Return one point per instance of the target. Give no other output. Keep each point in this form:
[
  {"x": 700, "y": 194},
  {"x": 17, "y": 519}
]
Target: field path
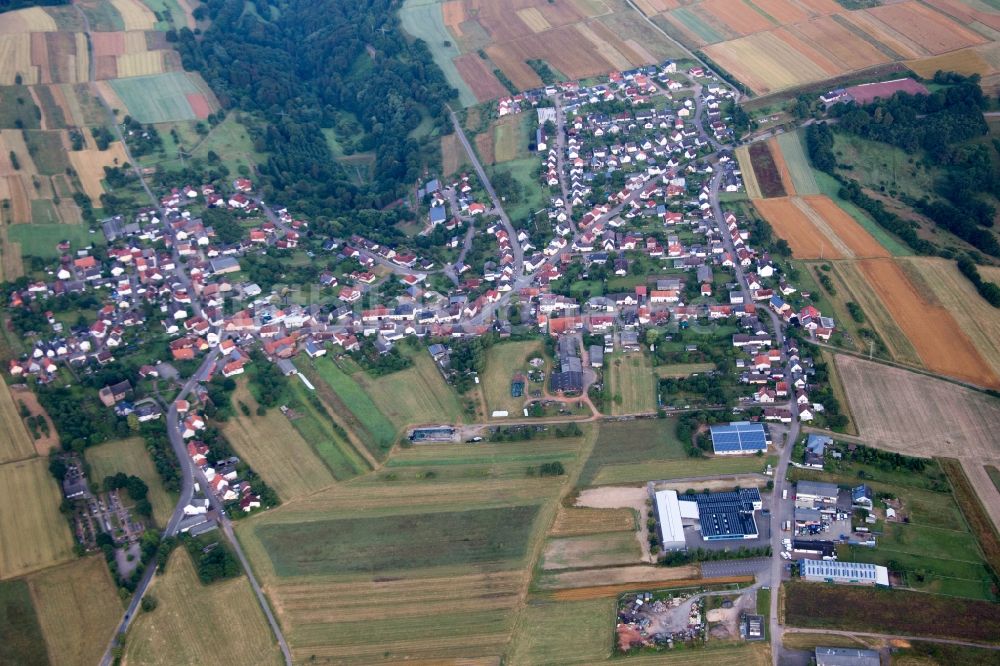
[{"x": 983, "y": 484}]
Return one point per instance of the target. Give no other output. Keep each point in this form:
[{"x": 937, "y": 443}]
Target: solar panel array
[
  {"x": 727, "y": 515},
  {"x": 740, "y": 436}
]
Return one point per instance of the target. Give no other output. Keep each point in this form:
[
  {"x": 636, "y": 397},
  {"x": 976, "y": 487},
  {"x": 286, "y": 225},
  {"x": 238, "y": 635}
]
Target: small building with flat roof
[
  {"x": 816, "y": 491},
  {"x": 838, "y": 656}
]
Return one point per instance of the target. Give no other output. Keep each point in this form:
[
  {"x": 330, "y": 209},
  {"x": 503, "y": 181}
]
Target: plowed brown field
[
  {"x": 940, "y": 342},
  {"x": 602, "y": 591},
  {"x": 790, "y": 223},
  {"x": 480, "y": 79}
]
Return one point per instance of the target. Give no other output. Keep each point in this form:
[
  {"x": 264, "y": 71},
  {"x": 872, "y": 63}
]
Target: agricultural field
[
  {"x": 29, "y": 508},
  {"x": 889, "y": 611},
  {"x": 789, "y": 146},
  {"x": 130, "y": 456},
  {"x": 633, "y": 389},
  {"x": 564, "y": 632},
  {"x": 349, "y": 403},
  {"x": 78, "y": 609},
  {"x": 448, "y": 535},
  {"x": 350, "y": 545},
  {"x": 503, "y": 361},
  {"x": 945, "y": 287},
  {"x": 626, "y": 443},
  {"x": 417, "y": 395},
  {"x": 512, "y": 136},
  {"x": 939, "y": 341},
  {"x": 919, "y": 415},
  {"x": 766, "y": 171},
  {"x": 194, "y": 623},
  {"x": 577, "y": 38},
  {"x": 21, "y": 639},
  {"x": 577, "y": 521},
  {"x": 678, "y": 370},
  {"x": 777, "y": 45},
  {"x": 596, "y": 550},
  {"x": 275, "y": 449},
  {"x": 162, "y": 98},
  {"x": 16, "y": 443}
]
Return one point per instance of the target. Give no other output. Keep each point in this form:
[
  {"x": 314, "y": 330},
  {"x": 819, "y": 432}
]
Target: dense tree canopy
[{"x": 301, "y": 65}]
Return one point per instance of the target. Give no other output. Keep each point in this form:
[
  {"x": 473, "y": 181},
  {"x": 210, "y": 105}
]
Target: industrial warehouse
[
  {"x": 719, "y": 516},
  {"x": 850, "y": 573}
]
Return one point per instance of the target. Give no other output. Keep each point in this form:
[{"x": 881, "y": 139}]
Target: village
[{"x": 634, "y": 194}]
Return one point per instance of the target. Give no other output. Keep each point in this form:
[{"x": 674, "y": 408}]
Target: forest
[
  {"x": 937, "y": 126},
  {"x": 300, "y": 66}
]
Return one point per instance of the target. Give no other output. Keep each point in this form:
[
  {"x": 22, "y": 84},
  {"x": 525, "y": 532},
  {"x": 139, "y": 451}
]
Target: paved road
[{"x": 497, "y": 204}]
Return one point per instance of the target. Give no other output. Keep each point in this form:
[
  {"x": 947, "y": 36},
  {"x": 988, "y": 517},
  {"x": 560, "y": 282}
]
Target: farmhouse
[
  {"x": 847, "y": 573},
  {"x": 668, "y": 512},
  {"x": 739, "y": 438}
]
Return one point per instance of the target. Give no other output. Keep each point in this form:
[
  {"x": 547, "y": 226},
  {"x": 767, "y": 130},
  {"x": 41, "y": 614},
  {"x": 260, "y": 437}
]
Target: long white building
[{"x": 668, "y": 513}]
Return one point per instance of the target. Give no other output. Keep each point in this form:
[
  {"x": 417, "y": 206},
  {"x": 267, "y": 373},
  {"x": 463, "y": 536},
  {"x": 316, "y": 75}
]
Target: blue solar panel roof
[{"x": 741, "y": 436}]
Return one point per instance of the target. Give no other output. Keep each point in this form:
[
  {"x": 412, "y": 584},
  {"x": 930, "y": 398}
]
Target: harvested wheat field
[
  {"x": 89, "y": 165},
  {"x": 579, "y": 521},
  {"x": 12, "y": 141},
  {"x": 78, "y": 609},
  {"x": 749, "y": 177},
  {"x": 29, "y": 508},
  {"x": 145, "y": 63},
  {"x": 941, "y": 344},
  {"x": 135, "y": 14},
  {"x": 919, "y": 415},
  {"x": 15, "y": 59},
  {"x": 846, "y": 228},
  {"x": 945, "y": 286},
  {"x": 966, "y": 61},
  {"x": 930, "y": 29},
  {"x": 790, "y": 223},
  {"x": 766, "y": 63},
  {"x": 20, "y": 204},
  {"x": 22, "y": 21}
]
